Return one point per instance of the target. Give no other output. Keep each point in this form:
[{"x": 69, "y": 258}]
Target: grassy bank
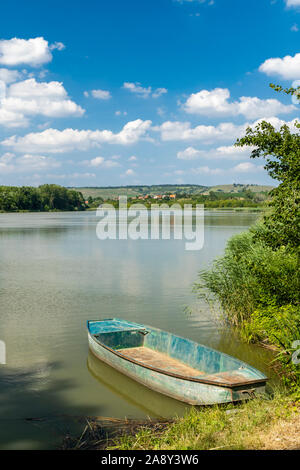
[
  {"x": 266, "y": 423},
  {"x": 257, "y": 424}
]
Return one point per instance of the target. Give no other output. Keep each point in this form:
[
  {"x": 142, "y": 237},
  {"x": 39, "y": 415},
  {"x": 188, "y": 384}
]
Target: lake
[{"x": 54, "y": 275}]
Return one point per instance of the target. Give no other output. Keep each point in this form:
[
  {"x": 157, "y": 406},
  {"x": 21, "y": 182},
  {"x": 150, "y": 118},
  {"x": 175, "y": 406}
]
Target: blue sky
[{"x": 141, "y": 92}]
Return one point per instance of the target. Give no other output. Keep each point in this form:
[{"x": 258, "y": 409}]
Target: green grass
[
  {"x": 250, "y": 275},
  {"x": 248, "y": 426}
]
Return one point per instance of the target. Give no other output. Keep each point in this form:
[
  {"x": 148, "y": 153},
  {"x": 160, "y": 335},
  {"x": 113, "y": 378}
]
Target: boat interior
[{"x": 160, "y": 350}]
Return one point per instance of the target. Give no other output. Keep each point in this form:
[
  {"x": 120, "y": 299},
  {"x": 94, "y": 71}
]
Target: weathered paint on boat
[{"x": 221, "y": 378}]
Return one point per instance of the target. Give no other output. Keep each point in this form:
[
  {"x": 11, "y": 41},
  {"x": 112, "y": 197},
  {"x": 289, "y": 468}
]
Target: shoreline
[
  {"x": 258, "y": 424},
  {"x": 92, "y": 209}
]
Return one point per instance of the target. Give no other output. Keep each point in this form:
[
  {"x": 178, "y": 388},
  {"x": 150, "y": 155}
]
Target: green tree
[{"x": 281, "y": 151}]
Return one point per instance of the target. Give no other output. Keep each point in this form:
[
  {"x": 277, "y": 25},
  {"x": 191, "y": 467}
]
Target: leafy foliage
[
  {"x": 279, "y": 326},
  {"x": 257, "y": 281},
  {"x": 44, "y": 198},
  {"x": 250, "y": 275},
  {"x": 281, "y": 150}
]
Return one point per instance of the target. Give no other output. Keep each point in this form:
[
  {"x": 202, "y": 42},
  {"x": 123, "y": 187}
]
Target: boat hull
[{"x": 191, "y": 392}]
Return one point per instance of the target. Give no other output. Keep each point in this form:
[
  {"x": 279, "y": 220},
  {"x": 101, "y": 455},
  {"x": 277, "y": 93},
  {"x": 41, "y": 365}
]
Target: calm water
[{"x": 54, "y": 275}]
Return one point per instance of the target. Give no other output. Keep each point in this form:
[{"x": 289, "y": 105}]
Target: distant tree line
[
  {"x": 213, "y": 200},
  {"x": 48, "y": 197}
]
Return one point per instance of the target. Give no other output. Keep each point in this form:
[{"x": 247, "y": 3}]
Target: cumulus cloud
[
  {"x": 158, "y": 92},
  {"x": 190, "y": 153},
  {"x": 143, "y": 92},
  {"x": 241, "y": 168},
  {"x": 293, "y": 3},
  {"x": 176, "y": 130},
  {"x": 216, "y": 103},
  {"x": 12, "y": 119},
  {"x": 247, "y": 167},
  {"x": 137, "y": 89},
  {"x": 56, "y": 141},
  {"x": 57, "y": 45},
  {"x": 287, "y": 68},
  {"x": 29, "y": 98},
  {"x": 207, "y": 170},
  {"x": 9, "y": 163},
  {"x": 34, "y": 52},
  {"x": 101, "y": 162},
  {"x": 129, "y": 172},
  {"x": 225, "y": 152},
  {"x": 182, "y": 131},
  {"x": 9, "y": 76},
  {"x": 99, "y": 94}
]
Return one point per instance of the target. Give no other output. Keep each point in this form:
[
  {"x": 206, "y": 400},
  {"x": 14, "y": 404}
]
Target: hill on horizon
[{"x": 108, "y": 192}]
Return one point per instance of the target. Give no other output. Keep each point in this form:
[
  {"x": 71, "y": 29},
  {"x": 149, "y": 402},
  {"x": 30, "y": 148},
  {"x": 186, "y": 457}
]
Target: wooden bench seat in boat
[{"x": 160, "y": 360}]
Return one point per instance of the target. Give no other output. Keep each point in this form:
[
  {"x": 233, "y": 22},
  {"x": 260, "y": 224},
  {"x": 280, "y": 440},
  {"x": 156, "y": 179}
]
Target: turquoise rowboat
[{"x": 174, "y": 366}]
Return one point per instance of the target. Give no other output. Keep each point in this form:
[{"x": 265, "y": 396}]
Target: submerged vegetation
[{"x": 48, "y": 197}]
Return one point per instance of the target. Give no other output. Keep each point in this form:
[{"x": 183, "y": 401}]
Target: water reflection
[
  {"x": 149, "y": 402},
  {"x": 33, "y": 411},
  {"x": 54, "y": 275}
]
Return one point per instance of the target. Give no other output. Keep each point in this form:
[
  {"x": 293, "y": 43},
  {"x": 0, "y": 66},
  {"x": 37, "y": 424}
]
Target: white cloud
[
  {"x": 57, "y": 45},
  {"x": 101, "y": 94},
  {"x": 12, "y": 119},
  {"x": 241, "y": 168},
  {"x": 9, "y": 163},
  {"x": 245, "y": 167},
  {"x": 207, "y": 171},
  {"x": 142, "y": 92},
  {"x": 56, "y": 141},
  {"x": 9, "y": 76},
  {"x": 129, "y": 172},
  {"x": 101, "y": 162},
  {"x": 225, "y": 152},
  {"x": 176, "y": 130},
  {"x": 82, "y": 175},
  {"x": 97, "y": 161},
  {"x": 294, "y": 28},
  {"x": 121, "y": 113},
  {"x": 216, "y": 103},
  {"x": 34, "y": 52},
  {"x": 7, "y": 157},
  {"x": 189, "y": 154},
  {"x": 30, "y": 88},
  {"x": 29, "y": 98},
  {"x": 137, "y": 89},
  {"x": 133, "y": 158},
  {"x": 161, "y": 111},
  {"x": 293, "y": 3},
  {"x": 182, "y": 131},
  {"x": 158, "y": 92},
  {"x": 288, "y": 68},
  {"x": 36, "y": 162}
]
